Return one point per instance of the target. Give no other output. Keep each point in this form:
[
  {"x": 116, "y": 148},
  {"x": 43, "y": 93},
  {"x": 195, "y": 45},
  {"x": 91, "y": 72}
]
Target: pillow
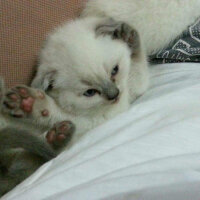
[{"x": 186, "y": 48}]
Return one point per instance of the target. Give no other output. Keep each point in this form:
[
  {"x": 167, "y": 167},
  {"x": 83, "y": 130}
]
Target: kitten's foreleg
[
  {"x": 16, "y": 165},
  {"x": 29, "y": 105},
  {"x": 15, "y": 138}
]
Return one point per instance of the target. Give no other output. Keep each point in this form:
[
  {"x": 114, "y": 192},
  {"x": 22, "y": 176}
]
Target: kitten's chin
[
  {"x": 117, "y": 107},
  {"x": 116, "y": 101}
]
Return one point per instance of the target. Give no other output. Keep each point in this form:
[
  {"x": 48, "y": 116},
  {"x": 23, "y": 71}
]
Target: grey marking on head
[{"x": 121, "y": 31}]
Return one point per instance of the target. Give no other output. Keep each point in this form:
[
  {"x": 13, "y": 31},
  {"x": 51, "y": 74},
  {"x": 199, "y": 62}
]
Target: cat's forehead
[
  {"x": 78, "y": 46},
  {"x": 89, "y": 64},
  {"x": 81, "y": 56},
  {"x": 79, "y": 81},
  {"x": 90, "y": 50}
]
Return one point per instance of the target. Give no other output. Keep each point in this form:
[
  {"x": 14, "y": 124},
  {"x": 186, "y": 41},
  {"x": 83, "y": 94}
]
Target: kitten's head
[{"x": 82, "y": 70}]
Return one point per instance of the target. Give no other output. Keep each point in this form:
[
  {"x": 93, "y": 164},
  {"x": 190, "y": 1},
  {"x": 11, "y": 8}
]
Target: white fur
[
  {"x": 158, "y": 21},
  {"x": 73, "y": 54}
]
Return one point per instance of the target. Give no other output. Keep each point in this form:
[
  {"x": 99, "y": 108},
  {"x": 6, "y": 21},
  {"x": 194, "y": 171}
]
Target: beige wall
[{"x": 23, "y": 26}]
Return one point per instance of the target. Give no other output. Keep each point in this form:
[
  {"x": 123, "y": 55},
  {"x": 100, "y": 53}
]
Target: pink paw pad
[
  {"x": 45, "y": 113},
  {"x": 18, "y": 102},
  {"x": 27, "y": 104}
]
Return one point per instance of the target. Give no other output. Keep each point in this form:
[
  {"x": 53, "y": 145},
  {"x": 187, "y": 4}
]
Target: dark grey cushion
[{"x": 186, "y": 48}]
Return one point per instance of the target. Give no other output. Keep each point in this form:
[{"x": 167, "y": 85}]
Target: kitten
[
  {"x": 37, "y": 112},
  {"x": 94, "y": 67}
]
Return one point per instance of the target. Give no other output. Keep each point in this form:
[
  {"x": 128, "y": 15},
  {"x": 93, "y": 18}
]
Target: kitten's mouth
[{"x": 115, "y": 100}]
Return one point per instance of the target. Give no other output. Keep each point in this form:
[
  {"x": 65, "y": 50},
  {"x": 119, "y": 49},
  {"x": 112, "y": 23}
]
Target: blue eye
[
  {"x": 91, "y": 92},
  {"x": 115, "y": 70}
]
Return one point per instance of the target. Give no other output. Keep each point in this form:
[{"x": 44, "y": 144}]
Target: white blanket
[{"x": 151, "y": 152}]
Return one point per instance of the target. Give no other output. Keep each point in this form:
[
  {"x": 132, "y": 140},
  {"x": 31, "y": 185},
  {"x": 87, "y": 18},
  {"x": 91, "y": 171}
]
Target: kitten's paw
[
  {"x": 19, "y": 101},
  {"x": 60, "y": 134}
]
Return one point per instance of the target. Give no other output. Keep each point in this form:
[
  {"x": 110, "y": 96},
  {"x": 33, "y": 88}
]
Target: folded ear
[
  {"x": 44, "y": 80},
  {"x": 120, "y": 31}
]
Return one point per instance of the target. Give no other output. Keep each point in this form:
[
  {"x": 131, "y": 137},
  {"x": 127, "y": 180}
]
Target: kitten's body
[{"x": 81, "y": 55}]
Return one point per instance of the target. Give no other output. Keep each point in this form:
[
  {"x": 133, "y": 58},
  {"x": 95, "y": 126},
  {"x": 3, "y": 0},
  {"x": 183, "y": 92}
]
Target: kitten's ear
[
  {"x": 44, "y": 80},
  {"x": 121, "y": 31}
]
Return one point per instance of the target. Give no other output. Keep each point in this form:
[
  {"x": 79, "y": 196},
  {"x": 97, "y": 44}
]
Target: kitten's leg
[
  {"x": 24, "y": 103},
  {"x": 39, "y": 109},
  {"x": 32, "y": 105},
  {"x": 12, "y": 138},
  {"x": 15, "y": 165}
]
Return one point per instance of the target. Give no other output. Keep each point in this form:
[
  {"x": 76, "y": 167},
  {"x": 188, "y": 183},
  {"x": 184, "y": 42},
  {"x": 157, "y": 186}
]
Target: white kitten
[
  {"x": 89, "y": 74},
  {"x": 95, "y": 66},
  {"x": 92, "y": 68}
]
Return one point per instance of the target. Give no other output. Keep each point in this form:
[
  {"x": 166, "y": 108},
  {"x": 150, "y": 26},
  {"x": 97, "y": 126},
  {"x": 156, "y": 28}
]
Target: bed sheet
[{"x": 150, "y": 152}]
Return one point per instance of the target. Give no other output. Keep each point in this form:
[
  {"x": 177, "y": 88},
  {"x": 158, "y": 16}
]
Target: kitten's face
[
  {"x": 85, "y": 72},
  {"x": 92, "y": 78}
]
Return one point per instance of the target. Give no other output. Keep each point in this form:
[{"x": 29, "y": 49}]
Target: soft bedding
[{"x": 151, "y": 152}]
